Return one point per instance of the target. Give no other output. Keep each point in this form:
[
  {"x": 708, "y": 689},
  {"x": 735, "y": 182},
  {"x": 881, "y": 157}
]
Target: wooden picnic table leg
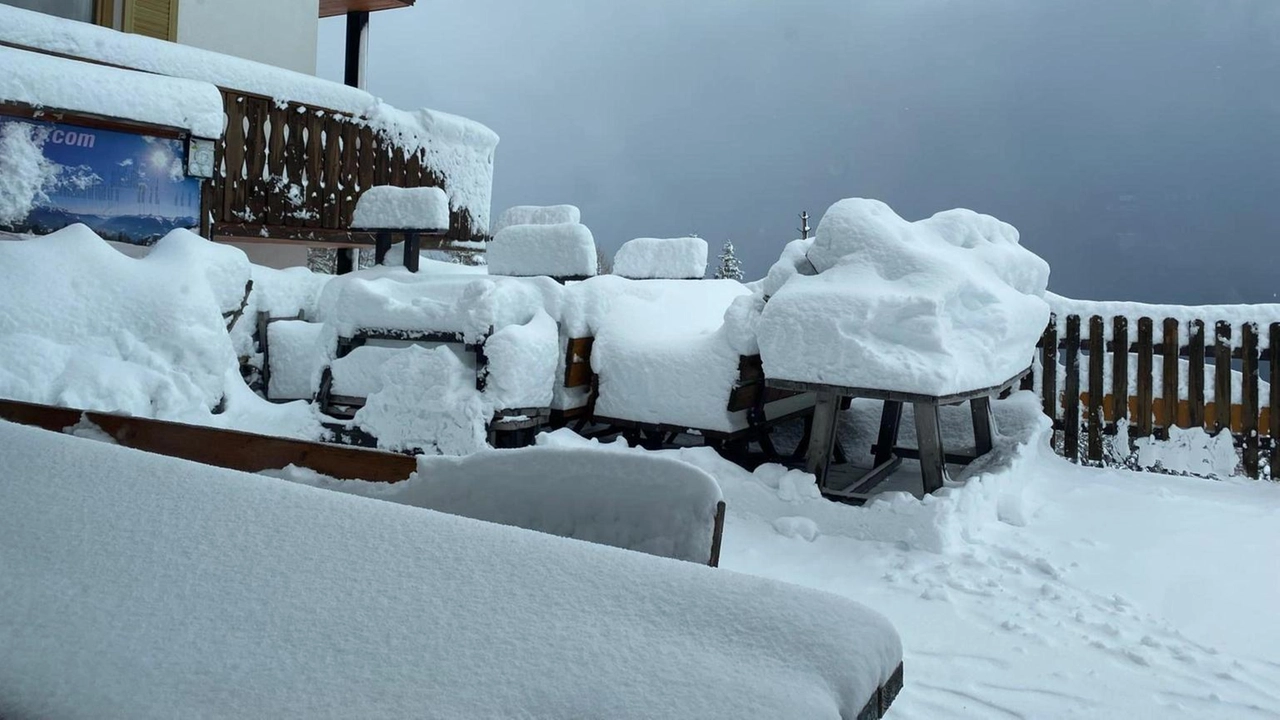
[
  {"x": 822, "y": 439},
  {"x": 890, "y": 421},
  {"x": 382, "y": 245},
  {"x": 933, "y": 469},
  {"x": 411, "y": 251},
  {"x": 980, "y": 410}
]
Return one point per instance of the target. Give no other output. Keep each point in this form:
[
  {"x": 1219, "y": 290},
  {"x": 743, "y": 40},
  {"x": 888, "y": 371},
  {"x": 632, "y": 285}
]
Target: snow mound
[
  {"x": 390, "y": 207},
  {"x": 560, "y": 250},
  {"x": 247, "y": 596},
  {"x": 82, "y": 325},
  {"x": 57, "y": 83},
  {"x": 427, "y": 401},
  {"x": 522, "y": 365},
  {"x": 649, "y": 258},
  {"x": 298, "y": 352},
  {"x": 537, "y": 215},
  {"x": 947, "y": 304},
  {"x": 647, "y": 503}
]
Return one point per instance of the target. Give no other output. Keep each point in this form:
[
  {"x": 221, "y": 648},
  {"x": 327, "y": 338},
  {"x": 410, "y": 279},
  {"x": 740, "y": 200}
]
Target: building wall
[{"x": 276, "y": 32}]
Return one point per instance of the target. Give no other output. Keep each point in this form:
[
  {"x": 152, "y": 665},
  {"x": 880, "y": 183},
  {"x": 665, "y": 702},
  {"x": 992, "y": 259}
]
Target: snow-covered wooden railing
[
  {"x": 294, "y": 170},
  {"x": 1172, "y": 372}
]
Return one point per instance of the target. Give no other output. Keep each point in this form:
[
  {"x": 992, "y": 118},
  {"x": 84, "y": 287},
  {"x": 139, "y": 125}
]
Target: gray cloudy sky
[{"x": 1134, "y": 143}]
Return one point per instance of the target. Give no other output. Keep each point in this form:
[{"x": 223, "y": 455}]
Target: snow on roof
[
  {"x": 389, "y": 207},
  {"x": 53, "y": 82},
  {"x": 560, "y": 250},
  {"x": 537, "y": 215},
  {"x": 636, "y": 501},
  {"x": 253, "y": 597},
  {"x": 649, "y": 258},
  {"x": 459, "y": 149},
  {"x": 947, "y": 304}
]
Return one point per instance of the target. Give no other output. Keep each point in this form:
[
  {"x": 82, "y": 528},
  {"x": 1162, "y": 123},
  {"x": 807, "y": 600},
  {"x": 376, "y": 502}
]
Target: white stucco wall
[{"x": 276, "y": 32}]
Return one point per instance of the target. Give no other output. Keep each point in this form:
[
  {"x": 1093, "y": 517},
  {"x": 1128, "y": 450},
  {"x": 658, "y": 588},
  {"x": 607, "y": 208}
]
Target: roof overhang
[{"x": 330, "y": 8}]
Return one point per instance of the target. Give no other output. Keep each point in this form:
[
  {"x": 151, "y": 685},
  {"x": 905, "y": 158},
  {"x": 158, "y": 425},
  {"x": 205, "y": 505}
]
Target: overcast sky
[{"x": 1134, "y": 143}]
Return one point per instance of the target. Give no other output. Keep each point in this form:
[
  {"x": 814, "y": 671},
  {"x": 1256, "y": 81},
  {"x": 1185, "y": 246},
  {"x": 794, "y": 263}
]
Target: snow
[
  {"x": 1263, "y": 314},
  {"x": 427, "y": 401},
  {"x": 25, "y": 173},
  {"x": 226, "y": 269},
  {"x": 1032, "y": 587},
  {"x": 57, "y": 83},
  {"x": 142, "y": 586},
  {"x": 649, "y": 258},
  {"x": 388, "y": 207},
  {"x": 298, "y": 351},
  {"x": 457, "y": 149},
  {"x": 561, "y": 250},
  {"x": 537, "y": 215},
  {"x": 522, "y": 364},
  {"x": 635, "y": 501},
  {"x": 82, "y": 325},
  {"x": 947, "y": 304}
]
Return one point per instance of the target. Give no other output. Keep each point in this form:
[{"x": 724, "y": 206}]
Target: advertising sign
[{"x": 127, "y": 187}]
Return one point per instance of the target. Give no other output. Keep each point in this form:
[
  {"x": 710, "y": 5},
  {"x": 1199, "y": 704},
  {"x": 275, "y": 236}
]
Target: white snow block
[
  {"x": 397, "y": 208},
  {"x": 636, "y": 501},
  {"x": 175, "y": 550},
  {"x": 655, "y": 258},
  {"x": 560, "y": 250},
  {"x": 947, "y": 304},
  {"x": 537, "y": 215},
  {"x": 297, "y": 351}
]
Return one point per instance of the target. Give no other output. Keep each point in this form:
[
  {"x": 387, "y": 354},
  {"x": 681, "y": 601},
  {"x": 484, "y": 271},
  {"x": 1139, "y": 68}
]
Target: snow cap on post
[
  {"x": 537, "y": 215},
  {"x": 565, "y": 250},
  {"x": 656, "y": 258},
  {"x": 386, "y": 207}
]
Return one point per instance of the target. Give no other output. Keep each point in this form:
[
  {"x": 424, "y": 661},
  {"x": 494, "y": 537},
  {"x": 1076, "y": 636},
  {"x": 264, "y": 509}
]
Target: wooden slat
[
  {"x": 312, "y": 205},
  {"x": 1195, "y": 375},
  {"x": 1071, "y": 387},
  {"x": 222, "y": 448},
  {"x": 1170, "y": 348},
  {"x": 1142, "y": 419},
  {"x": 278, "y": 118},
  {"x": 257, "y": 110},
  {"x": 1119, "y": 368},
  {"x": 1049, "y": 372},
  {"x": 294, "y": 162},
  {"x": 1249, "y": 397},
  {"x": 1273, "y": 409},
  {"x": 331, "y": 172},
  {"x": 1097, "y": 355},
  {"x": 368, "y": 156},
  {"x": 233, "y": 159},
  {"x": 1221, "y": 376}
]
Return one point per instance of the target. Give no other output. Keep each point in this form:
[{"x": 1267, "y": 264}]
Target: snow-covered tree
[{"x": 729, "y": 267}]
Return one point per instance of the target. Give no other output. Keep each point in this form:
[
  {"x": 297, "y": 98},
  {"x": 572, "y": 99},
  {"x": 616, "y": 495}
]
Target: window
[
  {"x": 83, "y": 10},
  {"x": 153, "y": 18}
]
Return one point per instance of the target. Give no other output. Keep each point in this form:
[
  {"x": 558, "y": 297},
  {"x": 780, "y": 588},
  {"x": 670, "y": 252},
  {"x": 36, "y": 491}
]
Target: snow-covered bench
[{"x": 340, "y": 602}]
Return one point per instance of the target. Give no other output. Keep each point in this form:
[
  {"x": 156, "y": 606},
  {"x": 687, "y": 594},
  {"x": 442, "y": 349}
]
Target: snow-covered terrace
[{"x": 295, "y": 152}]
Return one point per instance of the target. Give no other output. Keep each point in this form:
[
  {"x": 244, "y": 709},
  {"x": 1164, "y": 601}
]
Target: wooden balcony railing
[{"x": 292, "y": 171}]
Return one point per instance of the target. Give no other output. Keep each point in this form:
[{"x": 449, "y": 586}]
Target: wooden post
[
  {"x": 1221, "y": 377},
  {"x": 1273, "y": 420},
  {"x": 382, "y": 245},
  {"x": 1195, "y": 374},
  {"x": 1097, "y": 354},
  {"x": 1170, "y": 352},
  {"x": 412, "y": 250},
  {"x": 1071, "y": 388},
  {"x": 1249, "y": 397},
  {"x": 980, "y": 412},
  {"x": 822, "y": 439},
  {"x": 1142, "y": 426},
  {"x": 1120, "y": 368},
  {"x": 1049, "y": 372},
  {"x": 933, "y": 469},
  {"x": 890, "y": 420}
]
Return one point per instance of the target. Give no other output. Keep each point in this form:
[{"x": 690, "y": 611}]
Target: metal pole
[{"x": 353, "y": 75}]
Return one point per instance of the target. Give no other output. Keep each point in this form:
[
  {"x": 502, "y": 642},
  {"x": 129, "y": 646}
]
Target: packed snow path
[{"x": 1125, "y": 595}]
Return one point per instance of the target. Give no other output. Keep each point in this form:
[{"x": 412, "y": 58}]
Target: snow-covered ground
[{"x": 1123, "y": 595}]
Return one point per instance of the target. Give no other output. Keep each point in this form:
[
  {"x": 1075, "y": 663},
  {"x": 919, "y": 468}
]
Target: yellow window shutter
[{"x": 153, "y": 18}]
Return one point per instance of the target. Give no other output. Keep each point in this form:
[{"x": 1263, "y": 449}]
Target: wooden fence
[
  {"x": 285, "y": 166},
  {"x": 1104, "y": 373}
]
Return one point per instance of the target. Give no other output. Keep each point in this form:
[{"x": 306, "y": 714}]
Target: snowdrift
[
  {"x": 142, "y": 586},
  {"x": 947, "y": 304}
]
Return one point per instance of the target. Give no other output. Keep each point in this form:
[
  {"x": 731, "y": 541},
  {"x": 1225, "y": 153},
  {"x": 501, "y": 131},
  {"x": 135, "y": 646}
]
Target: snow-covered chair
[{"x": 387, "y": 210}]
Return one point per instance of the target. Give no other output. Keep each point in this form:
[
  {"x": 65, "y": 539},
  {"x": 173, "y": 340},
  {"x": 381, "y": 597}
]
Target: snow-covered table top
[{"x": 142, "y": 586}]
